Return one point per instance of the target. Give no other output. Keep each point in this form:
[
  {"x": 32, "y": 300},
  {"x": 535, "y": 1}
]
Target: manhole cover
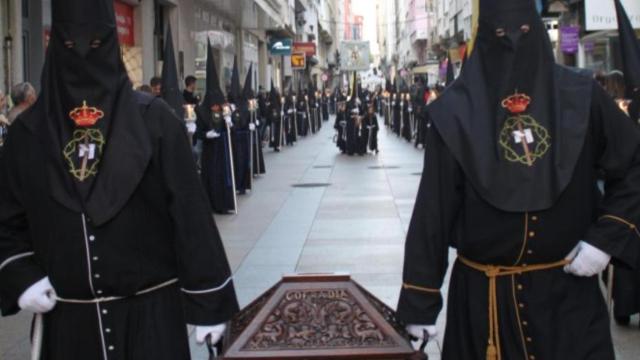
[
  {"x": 311, "y": 185},
  {"x": 377, "y": 167},
  {"x": 323, "y": 166}
]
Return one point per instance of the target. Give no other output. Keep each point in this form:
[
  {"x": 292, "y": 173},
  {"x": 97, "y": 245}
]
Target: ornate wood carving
[{"x": 317, "y": 317}]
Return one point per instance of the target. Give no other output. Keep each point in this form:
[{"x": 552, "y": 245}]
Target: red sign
[
  {"x": 124, "y": 21},
  {"x": 308, "y": 48}
]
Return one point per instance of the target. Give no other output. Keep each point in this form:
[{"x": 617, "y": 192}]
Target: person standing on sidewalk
[
  {"x": 104, "y": 226},
  {"x": 514, "y": 155}
]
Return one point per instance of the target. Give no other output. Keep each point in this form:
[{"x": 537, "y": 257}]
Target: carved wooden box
[{"x": 317, "y": 317}]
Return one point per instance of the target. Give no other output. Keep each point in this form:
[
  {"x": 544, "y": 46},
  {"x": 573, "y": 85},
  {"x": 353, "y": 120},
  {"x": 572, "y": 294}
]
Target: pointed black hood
[
  {"x": 83, "y": 66},
  {"x": 513, "y": 54},
  {"x": 630, "y": 46},
  {"x": 247, "y": 90},
  {"x": 213, "y": 93},
  {"x": 170, "y": 85},
  {"x": 235, "y": 92}
]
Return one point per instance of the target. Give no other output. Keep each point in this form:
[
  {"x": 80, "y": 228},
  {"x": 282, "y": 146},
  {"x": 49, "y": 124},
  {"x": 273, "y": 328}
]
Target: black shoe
[{"x": 623, "y": 320}]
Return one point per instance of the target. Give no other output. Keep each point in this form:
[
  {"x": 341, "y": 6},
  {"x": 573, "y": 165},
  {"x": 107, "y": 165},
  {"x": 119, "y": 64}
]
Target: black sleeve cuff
[
  {"x": 212, "y": 308},
  {"x": 15, "y": 279},
  {"x": 419, "y": 308}
]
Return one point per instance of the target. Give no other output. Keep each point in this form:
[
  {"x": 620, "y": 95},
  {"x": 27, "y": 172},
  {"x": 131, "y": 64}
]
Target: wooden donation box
[{"x": 317, "y": 317}]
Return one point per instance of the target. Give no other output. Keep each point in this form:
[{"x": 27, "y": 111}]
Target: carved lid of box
[{"x": 317, "y": 316}]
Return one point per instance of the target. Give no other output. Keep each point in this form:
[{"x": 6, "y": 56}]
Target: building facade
[{"x": 243, "y": 28}]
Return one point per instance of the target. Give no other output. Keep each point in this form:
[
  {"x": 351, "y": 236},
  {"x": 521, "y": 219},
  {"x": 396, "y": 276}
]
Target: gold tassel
[{"x": 492, "y": 352}]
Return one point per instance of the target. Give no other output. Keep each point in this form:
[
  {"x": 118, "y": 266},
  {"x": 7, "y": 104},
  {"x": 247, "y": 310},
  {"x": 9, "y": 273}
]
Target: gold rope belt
[
  {"x": 116, "y": 298},
  {"x": 493, "y": 272}
]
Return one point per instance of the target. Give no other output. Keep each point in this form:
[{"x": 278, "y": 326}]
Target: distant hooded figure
[
  {"x": 241, "y": 133},
  {"x": 104, "y": 225},
  {"x": 213, "y": 130},
  {"x": 275, "y": 118},
  {"x": 516, "y": 147},
  {"x": 257, "y": 156}
]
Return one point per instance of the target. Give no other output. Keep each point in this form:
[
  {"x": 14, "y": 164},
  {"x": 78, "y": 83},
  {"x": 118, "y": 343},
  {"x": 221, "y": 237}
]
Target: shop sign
[
  {"x": 308, "y": 48},
  {"x": 569, "y": 39},
  {"x": 124, "y": 22},
  {"x": 601, "y": 14},
  {"x": 281, "y": 46},
  {"x": 298, "y": 61}
]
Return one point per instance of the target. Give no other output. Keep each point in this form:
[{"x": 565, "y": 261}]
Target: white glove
[
  {"x": 257, "y": 122},
  {"x": 289, "y": 111},
  {"x": 252, "y": 127},
  {"x": 586, "y": 260},
  {"x": 216, "y": 333},
  {"x": 281, "y": 113},
  {"x": 40, "y": 298},
  {"x": 191, "y": 128},
  {"x": 212, "y": 134},
  {"x": 410, "y": 109},
  {"x": 233, "y": 107},
  {"x": 418, "y": 331},
  {"x": 228, "y": 120}
]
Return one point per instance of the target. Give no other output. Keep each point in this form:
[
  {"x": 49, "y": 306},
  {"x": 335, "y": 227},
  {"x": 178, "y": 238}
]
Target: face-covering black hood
[
  {"x": 630, "y": 46},
  {"x": 247, "y": 90},
  {"x": 518, "y": 158},
  {"x": 87, "y": 106},
  {"x": 213, "y": 92},
  {"x": 235, "y": 91},
  {"x": 170, "y": 86}
]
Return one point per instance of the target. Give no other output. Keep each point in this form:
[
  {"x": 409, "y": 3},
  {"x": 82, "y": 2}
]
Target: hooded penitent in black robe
[
  {"x": 420, "y": 122},
  {"x": 626, "y": 284},
  {"x": 274, "y": 119},
  {"x": 371, "y": 126},
  {"x": 407, "y": 112},
  {"x": 241, "y": 133},
  {"x": 136, "y": 218},
  {"x": 340, "y": 126},
  {"x": 216, "y": 161},
  {"x": 325, "y": 106},
  {"x": 290, "y": 125},
  {"x": 304, "y": 122},
  {"x": 257, "y": 156},
  {"x": 483, "y": 195},
  {"x": 396, "y": 115}
]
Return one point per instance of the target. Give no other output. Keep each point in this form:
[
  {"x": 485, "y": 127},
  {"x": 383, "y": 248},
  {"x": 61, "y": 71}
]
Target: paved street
[{"x": 356, "y": 224}]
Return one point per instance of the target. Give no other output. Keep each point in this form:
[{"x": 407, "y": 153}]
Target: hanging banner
[
  {"x": 354, "y": 56},
  {"x": 569, "y": 39},
  {"x": 601, "y": 14},
  {"x": 124, "y": 22}
]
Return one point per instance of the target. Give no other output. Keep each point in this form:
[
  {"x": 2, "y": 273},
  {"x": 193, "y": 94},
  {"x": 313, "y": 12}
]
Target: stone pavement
[{"x": 357, "y": 224}]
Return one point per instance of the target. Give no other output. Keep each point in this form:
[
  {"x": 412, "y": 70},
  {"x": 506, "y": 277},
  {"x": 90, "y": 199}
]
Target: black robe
[
  {"x": 276, "y": 132},
  {"x": 371, "y": 124},
  {"x": 546, "y": 314},
  {"x": 216, "y": 165},
  {"x": 341, "y": 127},
  {"x": 396, "y": 117},
  {"x": 164, "y": 231},
  {"x": 325, "y": 108},
  {"x": 259, "y": 167},
  {"x": 302, "y": 117},
  {"x": 407, "y": 110},
  {"x": 290, "y": 125},
  {"x": 241, "y": 141}
]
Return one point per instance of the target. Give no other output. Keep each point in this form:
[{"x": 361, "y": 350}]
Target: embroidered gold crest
[
  {"x": 523, "y": 139},
  {"x": 83, "y": 152}
]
